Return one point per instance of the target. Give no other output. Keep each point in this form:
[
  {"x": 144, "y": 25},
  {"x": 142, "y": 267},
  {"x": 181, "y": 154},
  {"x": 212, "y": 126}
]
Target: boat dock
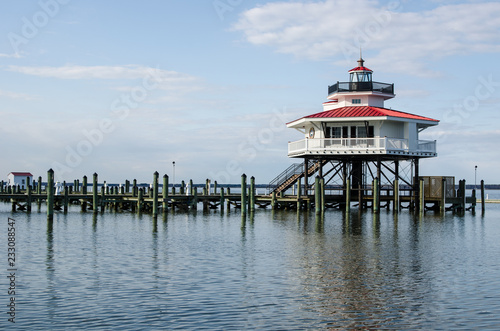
[{"x": 155, "y": 199}]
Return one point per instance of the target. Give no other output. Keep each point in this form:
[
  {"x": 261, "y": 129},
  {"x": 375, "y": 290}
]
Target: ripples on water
[{"x": 282, "y": 270}]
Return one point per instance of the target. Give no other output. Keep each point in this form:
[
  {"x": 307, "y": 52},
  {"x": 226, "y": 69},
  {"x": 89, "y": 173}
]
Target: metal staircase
[{"x": 291, "y": 175}]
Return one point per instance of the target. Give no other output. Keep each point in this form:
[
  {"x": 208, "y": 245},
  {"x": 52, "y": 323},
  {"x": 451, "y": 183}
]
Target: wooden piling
[
  {"x": 140, "y": 200},
  {"x": 396, "y": 195},
  {"x": 165, "y": 193},
  {"x": 50, "y": 194},
  {"x": 94, "y": 193},
  {"x": 244, "y": 193},
  {"x": 376, "y": 195},
  {"x": 155, "y": 193},
  {"x": 222, "y": 199},
  {"x": 317, "y": 195},
  {"x": 483, "y": 202},
  {"x": 103, "y": 198},
  {"x": 134, "y": 188},
  {"x": 252, "y": 194},
  {"x": 299, "y": 194},
  {"x": 191, "y": 187},
  {"x": 181, "y": 189},
  {"x": 28, "y": 198},
  {"x": 348, "y": 196},
  {"x": 322, "y": 193},
  {"x": 66, "y": 199},
  {"x": 273, "y": 201},
  {"x": 215, "y": 187}
]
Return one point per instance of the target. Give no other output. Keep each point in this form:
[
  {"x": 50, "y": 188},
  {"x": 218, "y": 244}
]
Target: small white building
[{"x": 19, "y": 178}]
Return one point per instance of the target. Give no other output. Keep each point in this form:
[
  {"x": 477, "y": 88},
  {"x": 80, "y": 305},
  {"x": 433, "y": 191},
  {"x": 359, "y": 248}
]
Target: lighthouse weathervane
[{"x": 356, "y": 139}]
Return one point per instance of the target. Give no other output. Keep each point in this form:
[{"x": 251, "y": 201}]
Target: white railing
[
  {"x": 427, "y": 146},
  {"x": 382, "y": 144}
]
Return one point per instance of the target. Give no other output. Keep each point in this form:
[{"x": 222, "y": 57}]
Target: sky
[{"x": 127, "y": 88}]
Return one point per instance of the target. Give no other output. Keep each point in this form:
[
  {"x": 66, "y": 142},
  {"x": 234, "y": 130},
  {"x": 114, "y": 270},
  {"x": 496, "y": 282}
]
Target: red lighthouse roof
[
  {"x": 361, "y": 69},
  {"x": 361, "y": 66},
  {"x": 365, "y": 111}
]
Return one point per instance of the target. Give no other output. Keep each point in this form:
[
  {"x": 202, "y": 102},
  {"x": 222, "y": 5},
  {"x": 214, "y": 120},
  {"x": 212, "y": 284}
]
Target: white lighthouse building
[
  {"x": 358, "y": 138},
  {"x": 355, "y": 122}
]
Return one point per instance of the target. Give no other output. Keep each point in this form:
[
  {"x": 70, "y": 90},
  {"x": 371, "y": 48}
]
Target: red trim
[
  {"x": 360, "y": 69},
  {"x": 21, "y": 174},
  {"x": 365, "y": 111}
]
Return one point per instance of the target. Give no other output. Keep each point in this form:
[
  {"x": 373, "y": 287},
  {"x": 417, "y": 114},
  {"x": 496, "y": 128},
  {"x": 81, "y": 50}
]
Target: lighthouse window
[
  {"x": 336, "y": 131},
  {"x": 356, "y": 101}
]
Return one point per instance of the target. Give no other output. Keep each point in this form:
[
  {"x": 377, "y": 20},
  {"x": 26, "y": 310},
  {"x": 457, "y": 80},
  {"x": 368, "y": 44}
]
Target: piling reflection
[{"x": 361, "y": 275}]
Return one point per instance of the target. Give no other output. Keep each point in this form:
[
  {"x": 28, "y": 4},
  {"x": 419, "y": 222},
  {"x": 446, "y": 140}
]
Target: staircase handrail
[{"x": 294, "y": 169}]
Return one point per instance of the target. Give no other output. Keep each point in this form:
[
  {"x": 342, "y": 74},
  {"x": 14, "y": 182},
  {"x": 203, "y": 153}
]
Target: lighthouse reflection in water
[{"x": 268, "y": 270}]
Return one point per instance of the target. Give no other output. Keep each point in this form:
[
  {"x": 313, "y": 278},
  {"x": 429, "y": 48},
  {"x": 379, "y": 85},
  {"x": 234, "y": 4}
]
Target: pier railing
[{"x": 379, "y": 144}]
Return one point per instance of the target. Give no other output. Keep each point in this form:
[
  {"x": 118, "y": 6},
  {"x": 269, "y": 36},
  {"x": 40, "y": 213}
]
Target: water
[{"x": 272, "y": 271}]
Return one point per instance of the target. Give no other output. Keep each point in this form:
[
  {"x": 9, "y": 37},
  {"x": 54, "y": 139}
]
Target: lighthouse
[{"x": 357, "y": 139}]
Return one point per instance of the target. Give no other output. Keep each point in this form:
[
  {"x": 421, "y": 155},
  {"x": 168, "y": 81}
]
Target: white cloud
[
  {"x": 14, "y": 55},
  {"x": 333, "y": 29},
  {"x": 103, "y": 72},
  {"x": 15, "y": 95}
]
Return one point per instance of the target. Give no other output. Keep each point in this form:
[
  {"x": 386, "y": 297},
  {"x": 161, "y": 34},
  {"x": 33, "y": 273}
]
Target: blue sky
[{"x": 125, "y": 88}]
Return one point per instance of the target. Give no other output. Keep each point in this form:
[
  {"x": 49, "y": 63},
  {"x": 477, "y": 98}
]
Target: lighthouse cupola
[
  {"x": 360, "y": 90},
  {"x": 361, "y": 74}
]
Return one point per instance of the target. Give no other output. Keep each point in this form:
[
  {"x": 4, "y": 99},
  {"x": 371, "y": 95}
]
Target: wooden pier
[{"x": 156, "y": 198}]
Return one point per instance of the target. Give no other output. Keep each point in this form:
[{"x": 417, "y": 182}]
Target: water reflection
[{"x": 281, "y": 269}]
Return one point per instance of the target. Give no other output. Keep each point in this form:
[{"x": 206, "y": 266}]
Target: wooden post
[
  {"x": 165, "y": 193},
  {"x": 134, "y": 188},
  {"x": 139, "y": 200},
  {"x": 306, "y": 179},
  {"x": 463, "y": 197},
  {"x": 127, "y": 186},
  {"x": 215, "y": 187},
  {"x": 94, "y": 193},
  {"x": 207, "y": 185},
  {"x": 396, "y": 195},
  {"x": 273, "y": 201},
  {"x": 50, "y": 194},
  {"x": 28, "y": 198},
  {"x": 66, "y": 198},
  {"x": 252, "y": 194},
  {"x": 191, "y": 187},
  {"x": 360, "y": 197},
  {"x": 322, "y": 190},
  {"x": 483, "y": 202},
  {"x": 244, "y": 194},
  {"x": 103, "y": 198},
  {"x": 421, "y": 199},
  {"x": 194, "y": 204},
  {"x": 347, "y": 195},
  {"x": 222, "y": 199},
  {"x": 442, "y": 203},
  {"x": 317, "y": 195},
  {"x": 299, "y": 194},
  {"x": 155, "y": 193},
  {"x": 181, "y": 189},
  {"x": 376, "y": 197}
]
